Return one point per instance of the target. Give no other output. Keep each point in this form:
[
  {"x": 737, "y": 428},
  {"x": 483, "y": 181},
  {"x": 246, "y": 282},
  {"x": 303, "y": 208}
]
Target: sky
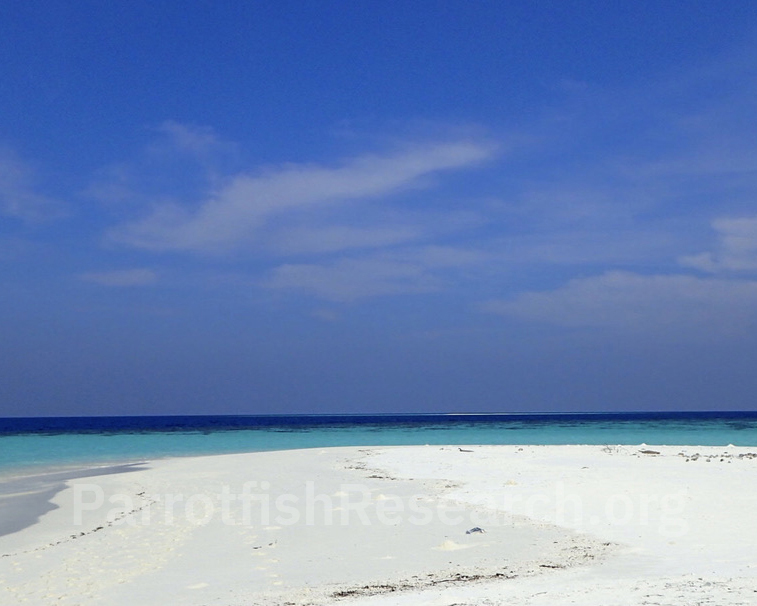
[{"x": 341, "y": 207}]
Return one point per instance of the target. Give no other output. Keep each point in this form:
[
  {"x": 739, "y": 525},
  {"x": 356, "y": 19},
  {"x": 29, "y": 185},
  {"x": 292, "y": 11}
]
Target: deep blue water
[{"x": 62, "y": 441}]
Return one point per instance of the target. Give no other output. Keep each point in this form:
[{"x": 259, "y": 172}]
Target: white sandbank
[{"x": 586, "y": 525}]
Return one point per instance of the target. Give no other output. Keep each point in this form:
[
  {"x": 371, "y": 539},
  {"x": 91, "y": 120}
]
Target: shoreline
[
  {"x": 42, "y": 442},
  {"x": 687, "y": 512},
  {"x": 25, "y": 498}
]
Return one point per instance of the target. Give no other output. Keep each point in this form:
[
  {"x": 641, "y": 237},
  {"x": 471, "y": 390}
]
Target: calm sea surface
[{"x": 66, "y": 441}]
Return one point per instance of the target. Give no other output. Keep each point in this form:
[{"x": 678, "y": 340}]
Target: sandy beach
[{"x": 474, "y": 525}]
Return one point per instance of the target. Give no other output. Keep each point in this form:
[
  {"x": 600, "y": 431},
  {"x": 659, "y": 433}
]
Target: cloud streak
[
  {"x": 335, "y": 238},
  {"x": 630, "y": 301},
  {"x": 737, "y": 251},
  {"x": 233, "y": 215},
  {"x": 347, "y": 280},
  {"x": 408, "y": 271},
  {"x": 18, "y": 197}
]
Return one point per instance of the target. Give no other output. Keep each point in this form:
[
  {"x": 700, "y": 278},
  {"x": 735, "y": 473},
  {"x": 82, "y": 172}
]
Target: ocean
[{"x": 28, "y": 444}]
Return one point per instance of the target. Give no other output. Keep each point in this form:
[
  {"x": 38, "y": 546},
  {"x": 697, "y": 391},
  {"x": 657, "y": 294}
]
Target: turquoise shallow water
[{"x": 60, "y": 442}]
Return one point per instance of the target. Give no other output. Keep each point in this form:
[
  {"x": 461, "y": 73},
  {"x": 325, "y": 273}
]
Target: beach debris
[
  {"x": 198, "y": 586},
  {"x": 416, "y": 583},
  {"x": 475, "y": 530},
  {"x": 724, "y": 457}
]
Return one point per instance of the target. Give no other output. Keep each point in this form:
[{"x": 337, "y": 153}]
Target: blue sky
[{"x": 259, "y": 207}]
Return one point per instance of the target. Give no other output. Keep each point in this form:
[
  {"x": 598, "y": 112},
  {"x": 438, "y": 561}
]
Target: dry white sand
[{"x": 563, "y": 525}]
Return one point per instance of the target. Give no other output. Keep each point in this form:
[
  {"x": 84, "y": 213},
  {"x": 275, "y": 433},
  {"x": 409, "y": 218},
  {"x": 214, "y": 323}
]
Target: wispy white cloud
[
  {"x": 181, "y": 162},
  {"x": 444, "y": 257},
  {"x": 234, "y": 213},
  {"x": 372, "y": 227},
  {"x": 301, "y": 239},
  {"x": 737, "y": 250},
  {"x": 629, "y": 301},
  {"x": 121, "y": 277},
  {"x": 196, "y": 140},
  {"x": 18, "y": 196},
  {"x": 112, "y": 186},
  {"x": 325, "y": 315},
  {"x": 404, "y": 271},
  {"x": 612, "y": 181},
  {"x": 347, "y": 280}
]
